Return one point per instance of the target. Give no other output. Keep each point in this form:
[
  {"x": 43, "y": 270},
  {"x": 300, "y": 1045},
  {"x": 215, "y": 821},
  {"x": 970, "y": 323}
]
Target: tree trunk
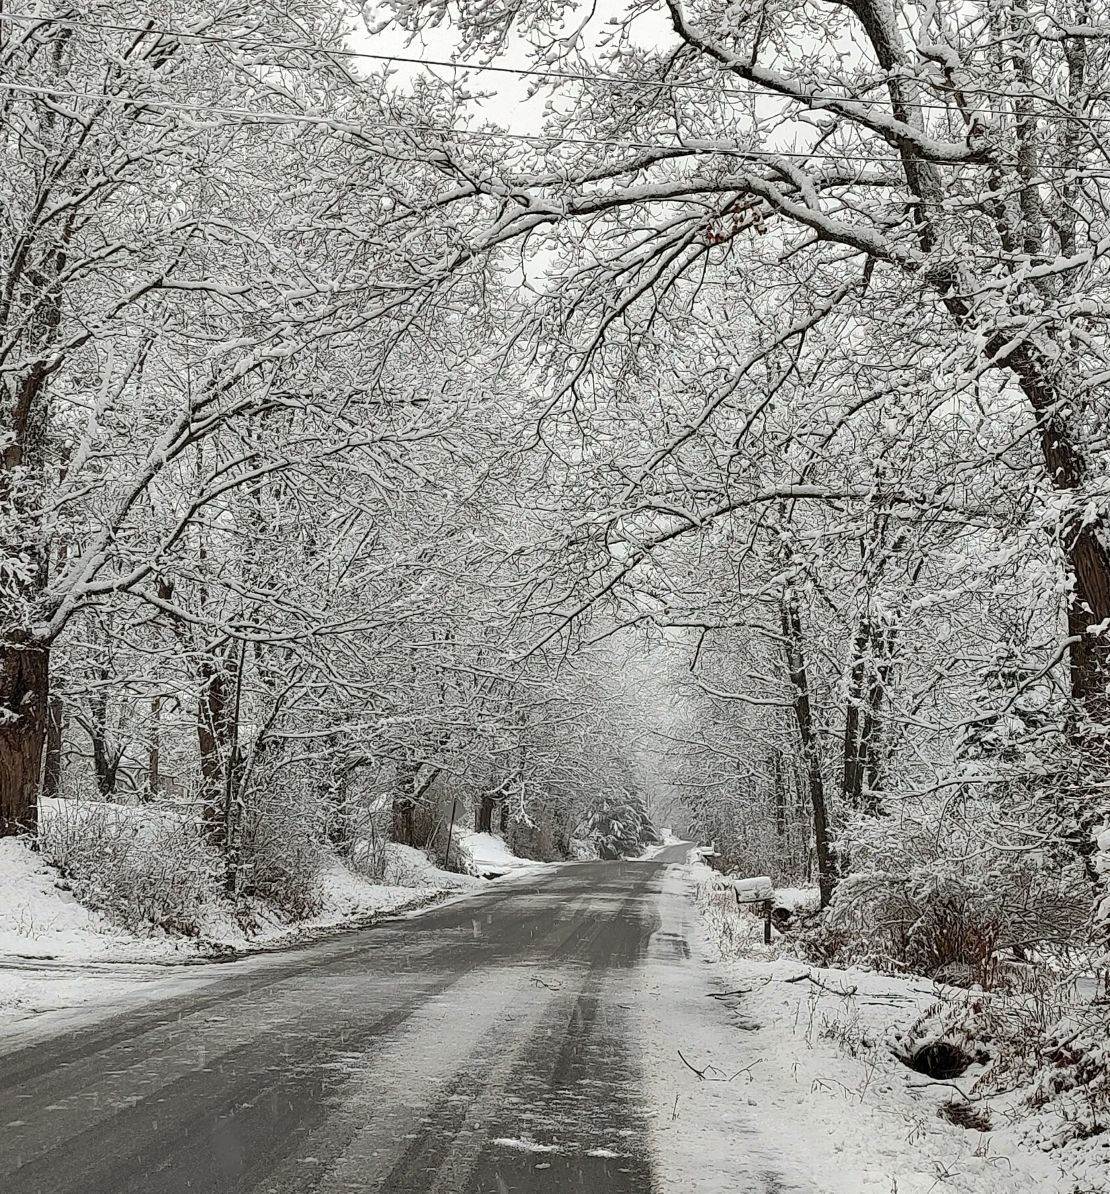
[
  {"x": 799, "y": 678},
  {"x": 868, "y": 681},
  {"x": 105, "y": 759},
  {"x": 24, "y": 697},
  {"x": 217, "y": 731},
  {"x": 852, "y": 784},
  {"x": 404, "y": 805},
  {"x": 484, "y": 821},
  {"x": 779, "y": 794},
  {"x": 874, "y": 755},
  {"x": 52, "y": 766},
  {"x": 1081, "y": 541},
  {"x": 154, "y": 750}
]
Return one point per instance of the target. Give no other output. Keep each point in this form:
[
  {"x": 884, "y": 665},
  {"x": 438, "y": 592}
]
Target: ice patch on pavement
[{"x": 526, "y": 1146}]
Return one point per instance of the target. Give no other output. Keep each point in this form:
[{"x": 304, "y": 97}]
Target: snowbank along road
[{"x": 481, "y": 1048}]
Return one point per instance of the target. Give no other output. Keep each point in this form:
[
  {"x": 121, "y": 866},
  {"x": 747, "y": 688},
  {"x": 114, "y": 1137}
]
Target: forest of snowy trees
[{"x": 716, "y": 427}]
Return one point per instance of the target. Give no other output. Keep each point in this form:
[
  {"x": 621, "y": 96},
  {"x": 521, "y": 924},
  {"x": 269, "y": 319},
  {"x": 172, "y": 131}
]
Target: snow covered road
[
  {"x": 544, "y": 1036},
  {"x": 486, "y": 1046}
]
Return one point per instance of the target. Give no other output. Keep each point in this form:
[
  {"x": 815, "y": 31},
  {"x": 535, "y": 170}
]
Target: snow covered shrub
[
  {"x": 583, "y": 850},
  {"x": 619, "y": 827},
  {"x": 369, "y": 853},
  {"x": 1073, "y": 1075},
  {"x": 280, "y": 857},
  {"x": 1102, "y": 911},
  {"x": 927, "y": 922},
  {"x": 406, "y": 866},
  {"x": 755, "y": 849},
  {"x": 533, "y": 839},
  {"x": 928, "y": 899},
  {"x": 143, "y": 867}
]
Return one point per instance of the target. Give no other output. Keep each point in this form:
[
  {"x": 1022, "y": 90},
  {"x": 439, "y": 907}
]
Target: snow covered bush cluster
[
  {"x": 1102, "y": 868},
  {"x": 142, "y": 870},
  {"x": 953, "y": 908}
]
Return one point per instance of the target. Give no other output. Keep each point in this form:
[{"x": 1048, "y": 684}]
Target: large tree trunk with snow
[
  {"x": 154, "y": 751},
  {"x": 855, "y": 748},
  {"x": 1081, "y": 541},
  {"x": 24, "y": 698},
  {"x": 106, "y": 755},
  {"x": 867, "y": 682},
  {"x": 483, "y": 823},
  {"x": 778, "y": 793}
]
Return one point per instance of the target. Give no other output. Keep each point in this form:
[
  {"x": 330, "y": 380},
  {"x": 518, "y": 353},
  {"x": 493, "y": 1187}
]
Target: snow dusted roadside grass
[
  {"x": 41, "y": 918},
  {"x": 127, "y": 902},
  {"x": 800, "y": 1063}
]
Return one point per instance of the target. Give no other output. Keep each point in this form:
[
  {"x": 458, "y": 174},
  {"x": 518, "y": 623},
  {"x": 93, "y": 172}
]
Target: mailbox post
[{"x": 756, "y": 892}]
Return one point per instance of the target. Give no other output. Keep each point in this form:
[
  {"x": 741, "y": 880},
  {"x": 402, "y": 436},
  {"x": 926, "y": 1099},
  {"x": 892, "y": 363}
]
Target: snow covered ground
[
  {"x": 667, "y": 839},
  {"x": 759, "y": 1073},
  {"x": 55, "y": 953},
  {"x": 768, "y": 1074}
]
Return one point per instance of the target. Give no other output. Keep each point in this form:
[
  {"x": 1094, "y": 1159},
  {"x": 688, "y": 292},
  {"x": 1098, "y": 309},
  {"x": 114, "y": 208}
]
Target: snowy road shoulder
[{"x": 761, "y": 1084}]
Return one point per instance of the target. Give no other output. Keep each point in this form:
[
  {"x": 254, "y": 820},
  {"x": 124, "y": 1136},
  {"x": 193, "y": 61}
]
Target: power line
[{"x": 522, "y": 72}]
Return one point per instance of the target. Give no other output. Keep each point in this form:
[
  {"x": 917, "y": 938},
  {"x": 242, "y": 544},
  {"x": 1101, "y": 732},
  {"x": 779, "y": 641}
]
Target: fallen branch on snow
[
  {"x": 843, "y": 992},
  {"x": 703, "y": 1075}
]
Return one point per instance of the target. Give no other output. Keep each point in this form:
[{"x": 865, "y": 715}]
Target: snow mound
[
  {"x": 406, "y": 866},
  {"x": 347, "y": 899},
  {"x": 346, "y": 896},
  {"x": 491, "y": 856}
]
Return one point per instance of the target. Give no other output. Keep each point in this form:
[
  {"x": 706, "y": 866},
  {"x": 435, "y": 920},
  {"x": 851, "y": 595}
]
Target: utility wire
[{"x": 250, "y": 42}]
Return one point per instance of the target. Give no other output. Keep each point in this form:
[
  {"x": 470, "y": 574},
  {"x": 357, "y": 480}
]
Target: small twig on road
[
  {"x": 537, "y": 981},
  {"x": 726, "y": 994},
  {"x": 747, "y": 1069},
  {"x": 674, "y": 1109},
  {"x": 844, "y": 992},
  {"x": 700, "y": 1073},
  {"x": 704, "y": 1075}
]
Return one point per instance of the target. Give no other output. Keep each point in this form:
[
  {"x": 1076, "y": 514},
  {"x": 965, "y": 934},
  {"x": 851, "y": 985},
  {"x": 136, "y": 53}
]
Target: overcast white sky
[{"x": 509, "y": 106}]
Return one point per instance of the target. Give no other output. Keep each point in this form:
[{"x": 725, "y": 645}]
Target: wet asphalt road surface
[{"x": 482, "y": 1048}]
